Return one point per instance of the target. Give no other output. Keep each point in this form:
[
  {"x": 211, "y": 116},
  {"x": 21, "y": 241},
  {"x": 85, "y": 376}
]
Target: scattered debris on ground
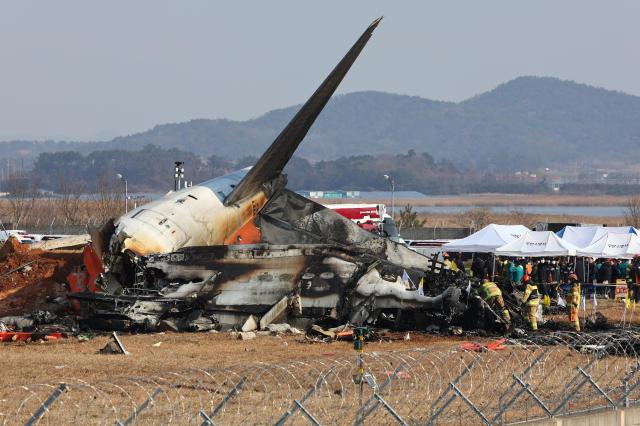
[
  {"x": 33, "y": 299},
  {"x": 34, "y": 279},
  {"x": 114, "y": 346}
]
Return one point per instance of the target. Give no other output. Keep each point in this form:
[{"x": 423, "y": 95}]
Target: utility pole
[
  {"x": 393, "y": 193},
  {"x": 126, "y": 193}
]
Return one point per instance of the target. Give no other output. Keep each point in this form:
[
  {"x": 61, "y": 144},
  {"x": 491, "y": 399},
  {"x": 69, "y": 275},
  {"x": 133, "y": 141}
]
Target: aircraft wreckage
[{"x": 210, "y": 255}]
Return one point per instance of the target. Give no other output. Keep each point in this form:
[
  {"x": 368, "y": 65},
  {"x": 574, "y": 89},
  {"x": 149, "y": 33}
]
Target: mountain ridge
[{"x": 528, "y": 120}]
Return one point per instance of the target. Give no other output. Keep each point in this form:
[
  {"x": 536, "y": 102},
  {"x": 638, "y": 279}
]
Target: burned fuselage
[
  {"x": 321, "y": 263},
  {"x": 228, "y": 283},
  {"x": 241, "y": 244}
]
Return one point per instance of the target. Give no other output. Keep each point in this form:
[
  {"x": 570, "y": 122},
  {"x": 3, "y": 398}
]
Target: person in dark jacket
[
  {"x": 604, "y": 273},
  {"x": 592, "y": 268},
  {"x": 477, "y": 266},
  {"x": 614, "y": 271},
  {"x": 541, "y": 275},
  {"x": 634, "y": 270},
  {"x": 623, "y": 269},
  {"x": 554, "y": 273},
  {"x": 581, "y": 270},
  {"x": 634, "y": 278}
]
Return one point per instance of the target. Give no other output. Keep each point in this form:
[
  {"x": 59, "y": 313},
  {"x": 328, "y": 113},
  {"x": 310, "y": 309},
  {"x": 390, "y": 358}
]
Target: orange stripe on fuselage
[{"x": 246, "y": 232}]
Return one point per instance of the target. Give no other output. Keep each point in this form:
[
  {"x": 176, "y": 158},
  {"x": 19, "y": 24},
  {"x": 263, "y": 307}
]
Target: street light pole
[
  {"x": 393, "y": 193},
  {"x": 126, "y": 193}
]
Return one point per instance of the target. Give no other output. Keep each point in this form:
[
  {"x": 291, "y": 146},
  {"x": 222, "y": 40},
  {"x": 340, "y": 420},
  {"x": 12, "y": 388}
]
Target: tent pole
[{"x": 493, "y": 266}]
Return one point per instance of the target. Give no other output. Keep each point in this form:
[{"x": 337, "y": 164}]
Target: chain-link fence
[{"x": 508, "y": 382}]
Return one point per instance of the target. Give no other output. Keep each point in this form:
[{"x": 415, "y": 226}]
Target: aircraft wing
[{"x": 273, "y": 161}]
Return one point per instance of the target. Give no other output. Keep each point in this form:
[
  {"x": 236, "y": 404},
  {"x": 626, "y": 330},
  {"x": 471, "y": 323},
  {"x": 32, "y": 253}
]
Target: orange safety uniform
[
  {"x": 491, "y": 293},
  {"x": 531, "y": 299},
  {"x": 573, "y": 302}
]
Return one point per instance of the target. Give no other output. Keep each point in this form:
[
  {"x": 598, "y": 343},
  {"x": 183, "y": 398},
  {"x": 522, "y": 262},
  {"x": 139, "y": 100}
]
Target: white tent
[
  {"x": 487, "y": 239},
  {"x": 582, "y": 236},
  {"x": 537, "y": 244},
  {"x": 621, "y": 246}
]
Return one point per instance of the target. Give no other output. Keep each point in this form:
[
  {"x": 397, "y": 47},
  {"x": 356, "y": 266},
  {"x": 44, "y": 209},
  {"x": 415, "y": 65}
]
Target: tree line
[{"x": 150, "y": 169}]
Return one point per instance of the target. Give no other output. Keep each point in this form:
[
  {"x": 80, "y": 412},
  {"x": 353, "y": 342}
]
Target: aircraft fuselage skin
[{"x": 193, "y": 216}]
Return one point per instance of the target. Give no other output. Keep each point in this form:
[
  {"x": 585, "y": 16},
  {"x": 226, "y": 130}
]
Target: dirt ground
[{"x": 54, "y": 361}]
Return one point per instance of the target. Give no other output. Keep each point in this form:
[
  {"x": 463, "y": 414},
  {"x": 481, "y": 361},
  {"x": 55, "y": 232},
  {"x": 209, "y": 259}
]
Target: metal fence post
[
  {"x": 470, "y": 404},
  {"x": 306, "y": 413},
  {"x": 626, "y": 385},
  {"x": 524, "y": 388},
  {"x": 364, "y": 411},
  {"x": 390, "y": 409},
  {"x": 232, "y": 393},
  {"x": 595, "y": 385},
  {"x": 445, "y": 393},
  {"x": 44, "y": 407},
  {"x": 569, "y": 393},
  {"x": 140, "y": 409},
  {"x": 297, "y": 405}
]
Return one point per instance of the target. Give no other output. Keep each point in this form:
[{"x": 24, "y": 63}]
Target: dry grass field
[
  {"x": 55, "y": 360},
  {"x": 193, "y": 372},
  {"x": 465, "y": 219},
  {"x": 496, "y": 200}
]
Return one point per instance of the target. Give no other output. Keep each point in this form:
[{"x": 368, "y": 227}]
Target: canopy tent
[
  {"x": 621, "y": 246},
  {"x": 487, "y": 239},
  {"x": 537, "y": 244},
  {"x": 582, "y": 236}
]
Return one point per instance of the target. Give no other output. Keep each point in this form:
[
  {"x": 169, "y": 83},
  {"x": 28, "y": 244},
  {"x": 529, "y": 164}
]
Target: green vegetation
[
  {"x": 526, "y": 123},
  {"x": 151, "y": 169}
]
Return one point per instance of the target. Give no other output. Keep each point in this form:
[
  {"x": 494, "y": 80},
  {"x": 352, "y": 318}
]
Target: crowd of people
[{"x": 563, "y": 279}]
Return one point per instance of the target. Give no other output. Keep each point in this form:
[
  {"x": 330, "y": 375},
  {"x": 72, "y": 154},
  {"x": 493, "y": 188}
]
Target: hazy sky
[{"x": 93, "y": 70}]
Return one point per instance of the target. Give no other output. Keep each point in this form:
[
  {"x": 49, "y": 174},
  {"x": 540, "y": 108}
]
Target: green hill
[{"x": 530, "y": 121}]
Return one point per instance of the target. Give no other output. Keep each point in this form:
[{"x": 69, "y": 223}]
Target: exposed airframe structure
[{"x": 242, "y": 244}]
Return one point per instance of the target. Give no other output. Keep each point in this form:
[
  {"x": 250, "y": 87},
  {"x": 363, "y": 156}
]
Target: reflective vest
[
  {"x": 574, "y": 295},
  {"x": 531, "y": 295},
  {"x": 490, "y": 290}
]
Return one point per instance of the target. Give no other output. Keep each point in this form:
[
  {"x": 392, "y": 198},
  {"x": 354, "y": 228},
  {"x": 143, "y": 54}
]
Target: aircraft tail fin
[{"x": 276, "y": 157}]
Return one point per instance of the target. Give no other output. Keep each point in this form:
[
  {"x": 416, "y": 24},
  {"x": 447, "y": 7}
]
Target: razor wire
[{"x": 536, "y": 378}]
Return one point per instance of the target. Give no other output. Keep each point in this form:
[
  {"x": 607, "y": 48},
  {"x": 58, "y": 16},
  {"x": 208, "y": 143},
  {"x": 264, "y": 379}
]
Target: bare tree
[
  {"x": 22, "y": 196},
  {"x": 107, "y": 200},
  {"x": 632, "y": 213},
  {"x": 70, "y": 202},
  {"x": 519, "y": 217},
  {"x": 478, "y": 218}
]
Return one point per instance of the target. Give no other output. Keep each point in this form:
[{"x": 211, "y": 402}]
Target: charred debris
[
  {"x": 310, "y": 264},
  {"x": 242, "y": 249}
]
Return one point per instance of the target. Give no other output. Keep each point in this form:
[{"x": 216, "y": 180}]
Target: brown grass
[
  {"x": 495, "y": 200},
  {"x": 514, "y": 218},
  {"x": 195, "y": 371},
  {"x": 55, "y": 360},
  {"x": 41, "y": 362}
]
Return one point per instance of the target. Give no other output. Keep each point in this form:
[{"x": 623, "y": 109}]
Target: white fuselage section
[{"x": 194, "y": 216}]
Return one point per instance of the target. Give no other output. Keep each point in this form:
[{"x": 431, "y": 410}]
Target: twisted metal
[{"x": 528, "y": 379}]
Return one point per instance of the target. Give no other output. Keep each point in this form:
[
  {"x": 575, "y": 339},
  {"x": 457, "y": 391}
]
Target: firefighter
[
  {"x": 573, "y": 301},
  {"x": 492, "y": 295},
  {"x": 531, "y": 299},
  {"x": 446, "y": 261}
]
